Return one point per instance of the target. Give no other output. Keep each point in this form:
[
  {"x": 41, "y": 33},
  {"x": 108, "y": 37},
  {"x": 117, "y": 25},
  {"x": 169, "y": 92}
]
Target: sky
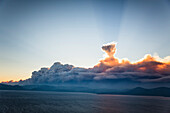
[{"x": 37, "y": 33}]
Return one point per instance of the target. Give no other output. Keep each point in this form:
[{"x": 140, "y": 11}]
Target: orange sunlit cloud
[{"x": 148, "y": 64}]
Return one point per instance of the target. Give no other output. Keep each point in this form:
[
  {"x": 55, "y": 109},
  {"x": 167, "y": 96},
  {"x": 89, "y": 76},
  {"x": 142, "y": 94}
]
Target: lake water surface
[{"x": 63, "y": 102}]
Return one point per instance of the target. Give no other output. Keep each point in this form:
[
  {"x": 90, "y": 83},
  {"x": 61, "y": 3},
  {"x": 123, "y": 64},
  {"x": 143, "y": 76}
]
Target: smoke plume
[{"x": 150, "y": 69}]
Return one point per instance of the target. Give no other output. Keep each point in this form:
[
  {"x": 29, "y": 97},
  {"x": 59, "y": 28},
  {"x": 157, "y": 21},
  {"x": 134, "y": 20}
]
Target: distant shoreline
[{"x": 91, "y": 93}]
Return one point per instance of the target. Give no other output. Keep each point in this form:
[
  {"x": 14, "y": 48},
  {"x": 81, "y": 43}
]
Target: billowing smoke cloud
[{"x": 148, "y": 69}]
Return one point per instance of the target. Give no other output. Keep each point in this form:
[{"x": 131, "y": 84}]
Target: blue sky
[{"x": 37, "y": 33}]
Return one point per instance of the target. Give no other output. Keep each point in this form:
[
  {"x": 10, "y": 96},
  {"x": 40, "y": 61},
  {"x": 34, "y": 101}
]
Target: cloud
[
  {"x": 147, "y": 69},
  {"x": 110, "y": 49},
  {"x": 150, "y": 69}
]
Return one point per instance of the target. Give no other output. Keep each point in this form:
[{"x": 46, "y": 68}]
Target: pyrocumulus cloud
[{"x": 147, "y": 69}]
